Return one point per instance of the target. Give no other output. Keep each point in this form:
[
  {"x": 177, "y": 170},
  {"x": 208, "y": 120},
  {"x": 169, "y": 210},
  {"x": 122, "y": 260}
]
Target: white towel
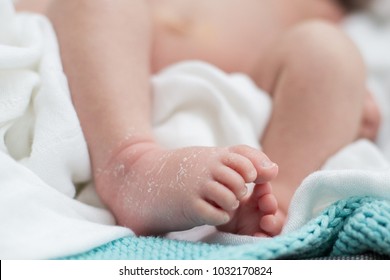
[
  {"x": 196, "y": 104},
  {"x": 43, "y": 155}
]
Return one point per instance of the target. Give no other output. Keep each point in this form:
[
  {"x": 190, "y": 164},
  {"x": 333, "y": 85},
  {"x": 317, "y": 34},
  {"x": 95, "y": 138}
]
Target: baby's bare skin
[{"x": 234, "y": 35}]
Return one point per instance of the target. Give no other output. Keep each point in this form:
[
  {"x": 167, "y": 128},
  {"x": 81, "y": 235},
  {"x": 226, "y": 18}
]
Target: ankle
[
  {"x": 120, "y": 158},
  {"x": 134, "y": 146}
]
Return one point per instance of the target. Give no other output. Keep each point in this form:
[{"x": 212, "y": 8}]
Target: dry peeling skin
[{"x": 154, "y": 191}]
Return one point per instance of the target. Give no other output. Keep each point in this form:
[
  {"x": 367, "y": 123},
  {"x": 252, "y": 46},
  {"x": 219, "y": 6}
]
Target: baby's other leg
[{"x": 317, "y": 81}]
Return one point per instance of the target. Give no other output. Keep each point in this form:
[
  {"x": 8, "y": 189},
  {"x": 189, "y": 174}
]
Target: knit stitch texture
[{"x": 349, "y": 227}]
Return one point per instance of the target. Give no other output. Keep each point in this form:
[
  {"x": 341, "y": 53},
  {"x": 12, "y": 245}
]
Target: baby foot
[
  {"x": 258, "y": 214},
  {"x": 155, "y": 191}
]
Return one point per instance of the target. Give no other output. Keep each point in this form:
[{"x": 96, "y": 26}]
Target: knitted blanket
[{"x": 348, "y": 227}]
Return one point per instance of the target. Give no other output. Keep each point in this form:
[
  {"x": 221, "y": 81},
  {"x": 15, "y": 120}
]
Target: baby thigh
[{"x": 314, "y": 48}]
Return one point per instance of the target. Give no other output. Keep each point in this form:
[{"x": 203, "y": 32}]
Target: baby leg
[
  {"x": 149, "y": 189},
  {"x": 317, "y": 81}
]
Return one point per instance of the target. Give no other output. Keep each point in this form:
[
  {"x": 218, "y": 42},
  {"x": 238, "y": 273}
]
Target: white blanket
[
  {"x": 43, "y": 155},
  {"x": 44, "y": 159}
]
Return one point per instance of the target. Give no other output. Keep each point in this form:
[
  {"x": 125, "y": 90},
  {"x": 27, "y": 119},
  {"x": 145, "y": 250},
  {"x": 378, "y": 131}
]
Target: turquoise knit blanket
[{"x": 348, "y": 227}]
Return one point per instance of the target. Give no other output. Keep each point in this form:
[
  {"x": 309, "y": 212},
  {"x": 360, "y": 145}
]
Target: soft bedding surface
[
  {"x": 49, "y": 209},
  {"x": 350, "y": 227}
]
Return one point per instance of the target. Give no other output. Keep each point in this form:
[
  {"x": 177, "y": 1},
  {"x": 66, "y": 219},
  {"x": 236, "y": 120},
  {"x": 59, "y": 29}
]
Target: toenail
[
  {"x": 253, "y": 174},
  {"x": 236, "y": 204},
  {"x": 243, "y": 192},
  {"x": 267, "y": 164}
]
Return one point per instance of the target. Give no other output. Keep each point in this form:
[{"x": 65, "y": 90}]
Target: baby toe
[
  {"x": 271, "y": 224},
  {"x": 268, "y": 204},
  {"x": 221, "y": 196},
  {"x": 206, "y": 213},
  {"x": 265, "y": 168},
  {"x": 242, "y": 166},
  {"x": 231, "y": 180}
]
